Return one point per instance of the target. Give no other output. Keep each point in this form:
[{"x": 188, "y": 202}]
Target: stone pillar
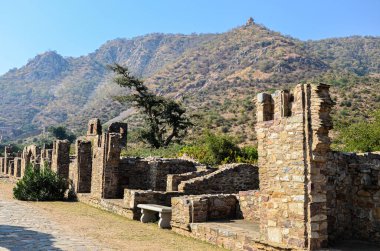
[
  {"x": 292, "y": 144},
  {"x": 17, "y": 167},
  {"x": 2, "y": 166},
  {"x": 105, "y": 167},
  {"x": 61, "y": 158},
  {"x": 46, "y": 158},
  {"x": 122, "y": 129},
  {"x": 82, "y": 176},
  {"x": 7, "y": 159}
]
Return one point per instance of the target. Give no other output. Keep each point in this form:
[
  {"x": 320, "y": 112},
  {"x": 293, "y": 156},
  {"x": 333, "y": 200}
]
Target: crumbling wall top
[{"x": 94, "y": 127}]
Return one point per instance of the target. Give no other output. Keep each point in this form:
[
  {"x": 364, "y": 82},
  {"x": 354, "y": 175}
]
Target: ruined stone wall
[
  {"x": 17, "y": 167},
  {"x": 249, "y": 203},
  {"x": 230, "y": 178},
  {"x": 105, "y": 167},
  {"x": 121, "y": 129},
  {"x": 161, "y": 168},
  {"x": 353, "y": 199},
  {"x": 2, "y": 164},
  {"x": 30, "y": 155},
  {"x": 80, "y": 168},
  {"x": 11, "y": 167},
  {"x": 151, "y": 173},
  {"x": 61, "y": 158},
  {"x": 292, "y": 132},
  {"x": 173, "y": 180},
  {"x": 97, "y": 169},
  {"x": 46, "y": 158},
  {"x": 8, "y": 159},
  {"x": 202, "y": 208},
  {"x": 134, "y": 173}
]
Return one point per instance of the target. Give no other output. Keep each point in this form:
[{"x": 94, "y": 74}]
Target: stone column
[
  {"x": 84, "y": 167},
  {"x": 61, "y": 158}
]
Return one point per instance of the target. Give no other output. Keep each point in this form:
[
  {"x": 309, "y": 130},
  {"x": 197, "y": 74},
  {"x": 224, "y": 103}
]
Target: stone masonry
[
  {"x": 292, "y": 132},
  {"x": 60, "y": 158}
]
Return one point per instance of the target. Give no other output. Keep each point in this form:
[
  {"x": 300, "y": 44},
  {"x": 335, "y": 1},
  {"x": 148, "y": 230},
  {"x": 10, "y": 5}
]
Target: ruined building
[{"x": 302, "y": 196}]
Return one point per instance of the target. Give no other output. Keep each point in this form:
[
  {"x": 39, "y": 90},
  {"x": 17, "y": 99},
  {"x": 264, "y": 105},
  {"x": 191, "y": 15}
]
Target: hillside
[{"x": 216, "y": 76}]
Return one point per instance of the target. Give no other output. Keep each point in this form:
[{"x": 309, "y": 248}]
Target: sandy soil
[{"x": 109, "y": 229}]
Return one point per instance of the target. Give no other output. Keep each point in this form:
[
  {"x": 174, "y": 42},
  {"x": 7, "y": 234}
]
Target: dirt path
[{"x": 103, "y": 230}]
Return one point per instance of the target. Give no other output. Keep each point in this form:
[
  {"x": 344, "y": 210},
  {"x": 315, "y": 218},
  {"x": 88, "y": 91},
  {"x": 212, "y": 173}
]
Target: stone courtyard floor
[{"x": 76, "y": 226}]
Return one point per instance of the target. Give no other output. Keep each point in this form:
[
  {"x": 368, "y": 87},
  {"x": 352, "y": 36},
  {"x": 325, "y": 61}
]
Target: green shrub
[
  {"x": 248, "y": 154},
  {"x": 215, "y": 149},
  {"x": 40, "y": 185},
  {"x": 361, "y": 136}
]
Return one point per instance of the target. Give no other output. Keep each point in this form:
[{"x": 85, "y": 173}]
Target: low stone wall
[
  {"x": 173, "y": 180},
  {"x": 353, "y": 196},
  {"x": 230, "y": 178},
  {"x": 111, "y": 205},
  {"x": 231, "y": 238},
  {"x": 249, "y": 202},
  {"x": 202, "y": 208},
  {"x": 134, "y": 197}
]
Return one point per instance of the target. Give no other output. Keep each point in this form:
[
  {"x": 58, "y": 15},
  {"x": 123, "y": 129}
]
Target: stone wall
[
  {"x": 353, "y": 198},
  {"x": 46, "y": 158},
  {"x": 121, "y": 129},
  {"x": 151, "y": 173},
  {"x": 30, "y": 156},
  {"x": 249, "y": 203},
  {"x": 135, "y": 173},
  {"x": 17, "y": 167},
  {"x": 230, "y": 178},
  {"x": 173, "y": 180},
  {"x": 202, "y": 208},
  {"x": 81, "y": 167},
  {"x": 292, "y": 132},
  {"x": 8, "y": 159},
  {"x": 2, "y": 164},
  {"x": 61, "y": 158},
  {"x": 105, "y": 168}
]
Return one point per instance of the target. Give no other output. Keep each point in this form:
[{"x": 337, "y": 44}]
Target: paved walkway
[{"x": 23, "y": 227}]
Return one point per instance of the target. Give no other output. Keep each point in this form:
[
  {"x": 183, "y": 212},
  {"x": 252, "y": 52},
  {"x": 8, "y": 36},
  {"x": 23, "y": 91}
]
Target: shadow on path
[{"x": 17, "y": 238}]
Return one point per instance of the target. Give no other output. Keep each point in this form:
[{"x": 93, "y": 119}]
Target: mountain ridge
[{"x": 51, "y": 89}]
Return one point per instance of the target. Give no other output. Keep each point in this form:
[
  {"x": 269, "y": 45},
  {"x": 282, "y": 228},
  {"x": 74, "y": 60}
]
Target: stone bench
[{"x": 149, "y": 211}]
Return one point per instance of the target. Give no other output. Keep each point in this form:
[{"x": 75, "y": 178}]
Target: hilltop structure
[{"x": 302, "y": 196}]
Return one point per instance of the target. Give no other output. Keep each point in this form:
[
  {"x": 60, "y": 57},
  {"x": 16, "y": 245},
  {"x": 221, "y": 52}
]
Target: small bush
[{"x": 40, "y": 185}]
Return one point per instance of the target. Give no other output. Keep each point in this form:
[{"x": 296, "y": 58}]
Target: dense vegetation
[
  {"x": 215, "y": 149},
  {"x": 40, "y": 185},
  {"x": 209, "y": 148},
  {"x": 362, "y": 136}
]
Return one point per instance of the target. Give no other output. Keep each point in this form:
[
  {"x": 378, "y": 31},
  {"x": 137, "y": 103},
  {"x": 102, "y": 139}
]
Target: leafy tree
[
  {"x": 60, "y": 132},
  {"x": 165, "y": 118}
]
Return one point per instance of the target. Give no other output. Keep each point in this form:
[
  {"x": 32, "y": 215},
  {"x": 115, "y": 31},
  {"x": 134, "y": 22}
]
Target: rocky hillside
[{"x": 216, "y": 76}]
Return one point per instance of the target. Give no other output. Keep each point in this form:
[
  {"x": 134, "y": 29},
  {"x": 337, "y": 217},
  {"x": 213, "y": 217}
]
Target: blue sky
[{"x": 78, "y": 27}]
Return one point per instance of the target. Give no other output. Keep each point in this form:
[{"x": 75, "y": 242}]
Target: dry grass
[{"x": 109, "y": 229}]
